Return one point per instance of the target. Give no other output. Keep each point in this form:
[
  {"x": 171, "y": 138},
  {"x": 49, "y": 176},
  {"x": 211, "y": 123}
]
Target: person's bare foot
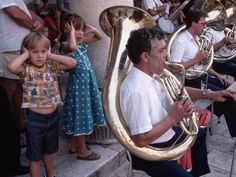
[
  {"x": 74, "y": 150},
  {"x": 91, "y": 156}
]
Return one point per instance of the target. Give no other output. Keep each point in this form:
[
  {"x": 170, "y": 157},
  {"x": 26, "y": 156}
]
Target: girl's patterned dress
[{"x": 83, "y": 106}]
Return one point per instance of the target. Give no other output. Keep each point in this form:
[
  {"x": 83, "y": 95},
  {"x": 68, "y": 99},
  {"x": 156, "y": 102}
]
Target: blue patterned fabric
[{"x": 83, "y": 106}]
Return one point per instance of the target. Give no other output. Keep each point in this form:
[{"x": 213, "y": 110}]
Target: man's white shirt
[
  {"x": 215, "y": 36},
  {"x": 185, "y": 48},
  {"x": 143, "y": 103},
  {"x": 150, "y": 4},
  {"x": 11, "y": 33}
]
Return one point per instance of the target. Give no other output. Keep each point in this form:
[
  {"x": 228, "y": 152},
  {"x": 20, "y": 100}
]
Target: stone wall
[{"x": 90, "y": 11}]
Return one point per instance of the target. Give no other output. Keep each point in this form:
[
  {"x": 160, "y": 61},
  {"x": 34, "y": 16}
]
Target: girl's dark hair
[
  {"x": 141, "y": 41},
  {"x": 76, "y": 20}
]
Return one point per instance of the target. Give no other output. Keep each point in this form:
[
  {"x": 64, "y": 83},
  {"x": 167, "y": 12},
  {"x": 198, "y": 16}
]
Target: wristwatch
[{"x": 205, "y": 92}]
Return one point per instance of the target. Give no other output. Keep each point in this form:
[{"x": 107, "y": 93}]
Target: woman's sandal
[{"x": 92, "y": 156}]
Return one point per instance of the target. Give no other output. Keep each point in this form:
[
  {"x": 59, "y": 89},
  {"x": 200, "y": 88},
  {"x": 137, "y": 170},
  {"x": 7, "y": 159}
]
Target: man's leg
[
  {"x": 228, "y": 108},
  {"x": 14, "y": 91},
  {"x": 199, "y": 155},
  {"x": 160, "y": 168},
  {"x": 228, "y": 68}
]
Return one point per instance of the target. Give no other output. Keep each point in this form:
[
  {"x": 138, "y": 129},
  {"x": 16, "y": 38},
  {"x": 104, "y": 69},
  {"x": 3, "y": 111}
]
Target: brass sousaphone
[{"x": 117, "y": 22}]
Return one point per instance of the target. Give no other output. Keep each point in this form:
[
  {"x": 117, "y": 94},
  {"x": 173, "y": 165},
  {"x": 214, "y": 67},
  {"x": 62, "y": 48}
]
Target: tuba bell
[
  {"x": 230, "y": 7},
  {"x": 117, "y": 22},
  {"x": 216, "y": 13},
  {"x": 228, "y": 51},
  {"x": 225, "y": 20}
]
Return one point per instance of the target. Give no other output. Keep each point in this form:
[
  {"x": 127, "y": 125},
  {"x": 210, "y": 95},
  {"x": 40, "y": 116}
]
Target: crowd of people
[
  {"x": 42, "y": 39},
  {"x": 168, "y": 14}
]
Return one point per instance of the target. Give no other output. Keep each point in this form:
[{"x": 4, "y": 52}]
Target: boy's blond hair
[{"x": 32, "y": 39}]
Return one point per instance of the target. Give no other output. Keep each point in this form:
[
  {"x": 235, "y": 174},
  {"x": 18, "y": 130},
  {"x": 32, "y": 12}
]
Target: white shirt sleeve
[
  {"x": 215, "y": 36},
  {"x": 177, "y": 51},
  {"x": 138, "y": 119},
  {"x": 7, "y": 3},
  {"x": 147, "y": 4},
  {"x": 150, "y": 4}
]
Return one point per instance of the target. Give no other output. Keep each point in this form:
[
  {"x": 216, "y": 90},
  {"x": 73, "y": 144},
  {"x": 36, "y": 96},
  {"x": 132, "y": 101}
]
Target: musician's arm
[
  {"x": 196, "y": 93},
  {"x": 137, "y": 116},
  {"x": 201, "y": 55},
  {"x": 159, "y": 129},
  {"x": 190, "y": 63},
  {"x": 157, "y": 11},
  {"x": 178, "y": 111},
  {"x": 219, "y": 77},
  {"x": 219, "y": 96},
  {"x": 135, "y": 107},
  {"x": 220, "y": 44}
]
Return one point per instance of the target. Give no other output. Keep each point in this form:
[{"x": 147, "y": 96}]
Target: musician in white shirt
[
  {"x": 155, "y": 8},
  {"x": 147, "y": 111},
  {"x": 185, "y": 50},
  {"x": 219, "y": 40}
]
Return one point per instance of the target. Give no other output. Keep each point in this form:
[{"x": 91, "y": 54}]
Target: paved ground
[
  {"x": 221, "y": 148},
  {"x": 220, "y": 155}
]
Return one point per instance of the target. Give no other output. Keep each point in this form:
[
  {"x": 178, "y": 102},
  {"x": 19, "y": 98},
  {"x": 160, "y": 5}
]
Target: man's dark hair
[
  {"x": 140, "y": 41},
  {"x": 194, "y": 15}
]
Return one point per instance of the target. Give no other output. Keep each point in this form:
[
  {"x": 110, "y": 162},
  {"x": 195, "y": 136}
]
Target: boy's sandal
[{"x": 92, "y": 156}]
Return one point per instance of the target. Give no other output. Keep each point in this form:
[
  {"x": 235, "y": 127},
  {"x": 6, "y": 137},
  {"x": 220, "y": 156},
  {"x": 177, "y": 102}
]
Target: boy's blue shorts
[{"x": 41, "y": 134}]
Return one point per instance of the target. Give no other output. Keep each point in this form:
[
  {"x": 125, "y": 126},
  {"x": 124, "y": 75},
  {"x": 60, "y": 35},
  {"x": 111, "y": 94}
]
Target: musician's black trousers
[
  {"x": 227, "y": 108},
  {"x": 211, "y": 82},
  {"x": 172, "y": 168},
  {"x": 228, "y": 67}
]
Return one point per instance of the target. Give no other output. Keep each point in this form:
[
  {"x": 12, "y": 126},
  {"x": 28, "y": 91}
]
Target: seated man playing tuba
[
  {"x": 186, "y": 50},
  {"x": 144, "y": 104},
  {"x": 226, "y": 56}
]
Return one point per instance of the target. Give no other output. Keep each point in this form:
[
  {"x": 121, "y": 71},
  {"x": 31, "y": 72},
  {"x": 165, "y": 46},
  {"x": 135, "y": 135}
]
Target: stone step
[
  {"x": 123, "y": 171},
  {"x": 67, "y": 165},
  {"x": 112, "y": 157}
]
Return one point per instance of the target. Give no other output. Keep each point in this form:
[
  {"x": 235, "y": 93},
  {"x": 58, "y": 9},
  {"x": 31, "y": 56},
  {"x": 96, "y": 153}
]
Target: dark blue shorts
[{"x": 41, "y": 134}]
